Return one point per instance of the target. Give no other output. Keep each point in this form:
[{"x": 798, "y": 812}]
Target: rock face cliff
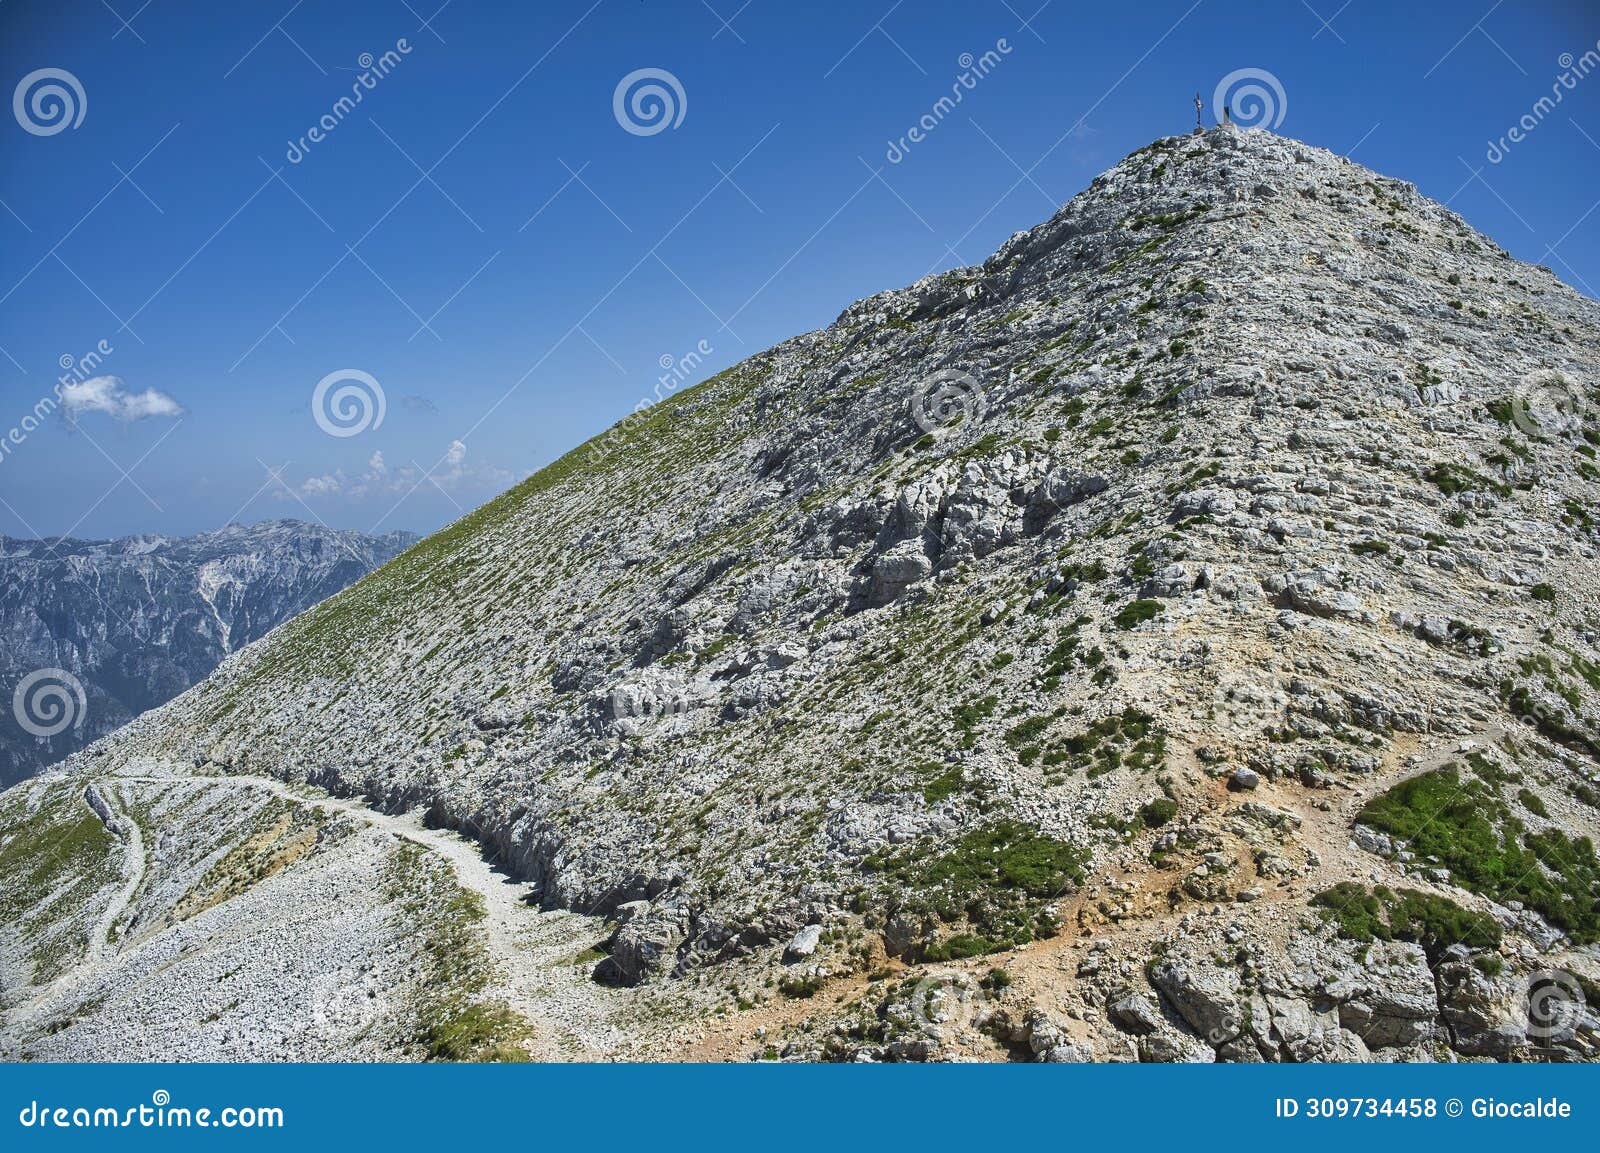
[
  {"x": 139, "y": 620},
  {"x": 1174, "y": 638}
]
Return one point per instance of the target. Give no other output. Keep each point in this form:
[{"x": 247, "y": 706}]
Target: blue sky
[{"x": 483, "y": 238}]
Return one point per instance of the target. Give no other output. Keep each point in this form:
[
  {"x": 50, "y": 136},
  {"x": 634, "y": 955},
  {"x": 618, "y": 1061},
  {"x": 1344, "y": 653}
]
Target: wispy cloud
[
  {"x": 378, "y": 479},
  {"x": 105, "y": 394},
  {"x": 1083, "y": 144}
]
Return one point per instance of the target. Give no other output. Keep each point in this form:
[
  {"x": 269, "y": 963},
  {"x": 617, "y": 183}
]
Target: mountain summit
[{"x": 1174, "y": 638}]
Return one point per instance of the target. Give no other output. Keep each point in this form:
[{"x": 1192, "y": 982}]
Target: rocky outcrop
[{"x": 1394, "y": 1001}]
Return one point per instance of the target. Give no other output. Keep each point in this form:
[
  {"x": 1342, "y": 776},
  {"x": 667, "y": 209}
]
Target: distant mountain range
[{"x": 138, "y": 620}]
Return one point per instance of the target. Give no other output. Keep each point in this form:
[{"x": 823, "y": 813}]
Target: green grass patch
[
  {"x": 1470, "y": 830},
  {"x": 1159, "y": 811},
  {"x": 994, "y": 881},
  {"x": 1382, "y": 914},
  {"x": 1137, "y": 612}
]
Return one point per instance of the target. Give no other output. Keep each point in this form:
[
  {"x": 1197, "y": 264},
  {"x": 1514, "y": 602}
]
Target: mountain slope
[
  {"x": 139, "y": 620},
  {"x": 1101, "y": 608}
]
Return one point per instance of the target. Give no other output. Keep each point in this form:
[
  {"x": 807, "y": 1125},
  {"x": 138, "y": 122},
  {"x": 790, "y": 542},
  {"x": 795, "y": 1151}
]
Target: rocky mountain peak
[{"x": 1200, "y": 587}]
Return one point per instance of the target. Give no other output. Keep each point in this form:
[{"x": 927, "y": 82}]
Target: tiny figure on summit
[{"x": 1199, "y": 105}]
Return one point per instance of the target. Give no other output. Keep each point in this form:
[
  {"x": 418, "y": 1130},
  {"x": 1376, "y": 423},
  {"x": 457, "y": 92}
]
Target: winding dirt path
[
  {"x": 107, "y": 804},
  {"x": 120, "y": 824},
  {"x": 534, "y": 950}
]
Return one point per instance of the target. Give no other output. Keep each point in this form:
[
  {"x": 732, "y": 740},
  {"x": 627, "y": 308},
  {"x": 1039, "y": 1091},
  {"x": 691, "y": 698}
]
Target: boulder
[
  {"x": 897, "y": 570},
  {"x": 1204, "y": 996},
  {"x": 646, "y": 944},
  {"x": 906, "y": 935},
  {"x": 803, "y": 944},
  {"x": 1169, "y": 1046},
  {"x": 1062, "y": 487},
  {"x": 1244, "y": 779},
  {"x": 1135, "y": 1013},
  {"x": 1487, "y": 1015},
  {"x": 1076, "y": 1053}
]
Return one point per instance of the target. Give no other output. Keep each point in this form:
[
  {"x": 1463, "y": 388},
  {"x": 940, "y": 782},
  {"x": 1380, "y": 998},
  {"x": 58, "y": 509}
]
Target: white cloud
[
  {"x": 105, "y": 394},
  {"x": 450, "y": 474},
  {"x": 329, "y": 485}
]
